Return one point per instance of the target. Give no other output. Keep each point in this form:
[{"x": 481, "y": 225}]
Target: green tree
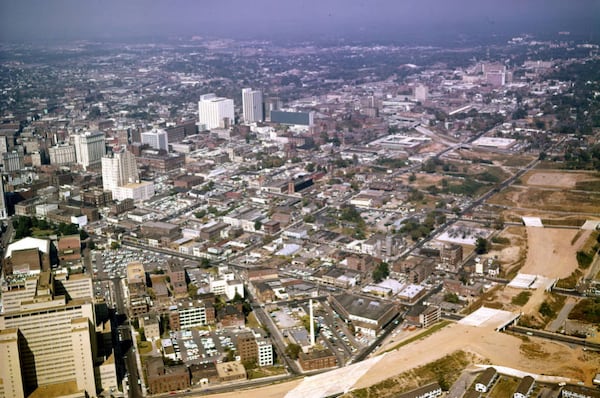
[
  {"x": 381, "y": 272},
  {"x": 292, "y": 350},
  {"x": 309, "y": 218},
  {"x": 482, "y": 246},
  {"x": 451, "y": 298},
  {"x": 192, "y": 290},
  {"x": 584, "y": 259},
  {"x": 546, "y": 310},
  {"x": 257, "y": 225},
  {"x": 205, "y": 263}
]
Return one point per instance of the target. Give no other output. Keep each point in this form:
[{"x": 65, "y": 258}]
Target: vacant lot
[
  {"x": 485, "y": 346},
  {"x": 511, "y": 256},
  {"x": 540, "y": 200},
  {"x": 550, "y": 252},
  {"x": 492, "y": 347},
  {"x": 498, "y": 159},
  {"x": 558, "y": 179}
]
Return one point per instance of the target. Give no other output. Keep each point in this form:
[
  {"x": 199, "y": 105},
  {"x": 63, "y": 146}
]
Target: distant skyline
[{"x": 40, "y": 20}]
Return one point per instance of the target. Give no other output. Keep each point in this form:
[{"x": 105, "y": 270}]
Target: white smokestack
[{"x": 312, "y": 324}]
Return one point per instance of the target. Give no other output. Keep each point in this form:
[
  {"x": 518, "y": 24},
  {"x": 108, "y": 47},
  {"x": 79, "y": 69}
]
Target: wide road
[
  {"x": 555, "y": 337},
  {"x": 557, "y": 323},
  {"x": 135, "y": 390},
  {"x": 119, "y": 296}
]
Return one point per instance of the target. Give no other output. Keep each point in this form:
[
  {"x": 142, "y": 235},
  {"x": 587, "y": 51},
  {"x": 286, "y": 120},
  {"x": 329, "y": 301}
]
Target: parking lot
[{"x": 110, "y": 264}]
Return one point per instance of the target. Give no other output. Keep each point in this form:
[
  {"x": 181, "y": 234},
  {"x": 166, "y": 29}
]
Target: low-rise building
[
  {"x": 163, "y": 378},
  {"x": 230, "y": 371},
  {"x": 204, "y": 373},
  {"x": 424, "y": 315},
  {"x": 570, "y": 391},
  {"x": 525, "y": 387},
  {"x": 317, "y": 359},
  {"x": 191, "y": 313},
  {"x": 151, "y": 325},
  {"x": 429, "y": 391},
  {"x": 231, "y": 316},
  {"x": 368, "y": 315},
  {"x": 486, "y": 379}
]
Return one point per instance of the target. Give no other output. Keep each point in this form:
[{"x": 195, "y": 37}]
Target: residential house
[{"x": 525, "y": 387}]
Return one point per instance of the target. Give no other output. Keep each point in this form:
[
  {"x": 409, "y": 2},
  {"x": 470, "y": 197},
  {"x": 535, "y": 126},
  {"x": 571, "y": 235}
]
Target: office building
[
  {"x": 119, "y": 169},
  {"x": 252, "y": 105},
  {"x": 44, "y": 331},
  {"x": 12, "y": 161},
  {"x": 62, "y": 154},
  {"x": 265, "y": 352},
  {"x": 191, "y": 313},
  {"x": 89, "y": 148},
  {"x": 495, "y": 74},
  {"x": 120, "y": 176},
  {"x": 3, "y": 144},
  {"x": 247, "y": 347},
  {"x": 272, "y": 104},
  {"x": 293, "y": 118},
  {"x": 421, "y": 93},
  {"x": 156, "y": 139},
  {"x": 215, "y": 112}
]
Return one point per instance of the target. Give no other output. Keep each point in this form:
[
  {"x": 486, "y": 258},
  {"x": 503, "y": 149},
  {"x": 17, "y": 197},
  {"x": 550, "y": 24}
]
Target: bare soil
[
  {"x": 550, "y": 252},
  {"x": 540, "y": 200},
  {"x": 556, "y": 179},
  {"x": 498, "y": 348}
]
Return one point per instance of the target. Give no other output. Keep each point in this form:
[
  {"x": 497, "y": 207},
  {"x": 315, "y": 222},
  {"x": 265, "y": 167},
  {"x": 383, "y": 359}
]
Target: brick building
[{"x": 163, "y": 378}]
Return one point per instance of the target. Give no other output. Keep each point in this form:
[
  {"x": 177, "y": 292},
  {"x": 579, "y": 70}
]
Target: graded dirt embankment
[{"x": 550, "y": 252}]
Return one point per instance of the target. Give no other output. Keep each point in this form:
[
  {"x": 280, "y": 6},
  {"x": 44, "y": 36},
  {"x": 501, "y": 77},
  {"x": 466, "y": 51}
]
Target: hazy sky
[{"x": 34, "y": 20}]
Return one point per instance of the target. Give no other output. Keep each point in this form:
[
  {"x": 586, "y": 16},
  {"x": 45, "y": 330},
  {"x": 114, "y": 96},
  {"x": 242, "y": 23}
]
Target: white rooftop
[
  {"x": 288, "y": 249},
  {"x": 488, "y": 317},
  {"x": 591, "y": 225},
  {"x": 495, "y": 142},
  {"x": 391, "y": 284},
  {"x": 411, "y": 290},
  {"x": 523, "y": 281},
  {"x": 533, "y": 222},
  {"x": 42, "y": 245}
]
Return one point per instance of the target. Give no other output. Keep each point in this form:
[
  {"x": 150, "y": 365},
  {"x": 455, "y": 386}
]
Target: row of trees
[{"x": 26, "y": 226}]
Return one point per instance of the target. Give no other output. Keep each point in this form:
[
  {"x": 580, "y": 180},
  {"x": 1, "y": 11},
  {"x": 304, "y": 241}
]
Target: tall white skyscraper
[
  {"x": 252, "y": 105},
  {"x": 120, "y": 176},
  {"x": 89, "y": 148},
  {"x": 119, "y": 170},
  {"x": 215, "y": 112},
  {"x": 156, "y": 138},
  {"x": 421, "y": 92}
]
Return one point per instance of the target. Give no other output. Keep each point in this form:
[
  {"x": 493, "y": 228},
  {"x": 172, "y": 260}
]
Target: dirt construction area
[
  {"x": 528, "y": 354},
  {"x": 556, "y": 179},
  {"x": 551, "y": 252},
  {"x": 538, "y": 200}
]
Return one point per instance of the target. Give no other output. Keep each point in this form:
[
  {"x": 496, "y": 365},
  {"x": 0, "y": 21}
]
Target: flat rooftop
[
  {"x": 488, "y": 317},
  {"x": 363, "y": 307}
]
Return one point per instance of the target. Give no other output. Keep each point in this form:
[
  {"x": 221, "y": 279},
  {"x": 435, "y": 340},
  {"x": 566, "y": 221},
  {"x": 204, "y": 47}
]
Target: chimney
[{"x": 312, "y": 324}]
